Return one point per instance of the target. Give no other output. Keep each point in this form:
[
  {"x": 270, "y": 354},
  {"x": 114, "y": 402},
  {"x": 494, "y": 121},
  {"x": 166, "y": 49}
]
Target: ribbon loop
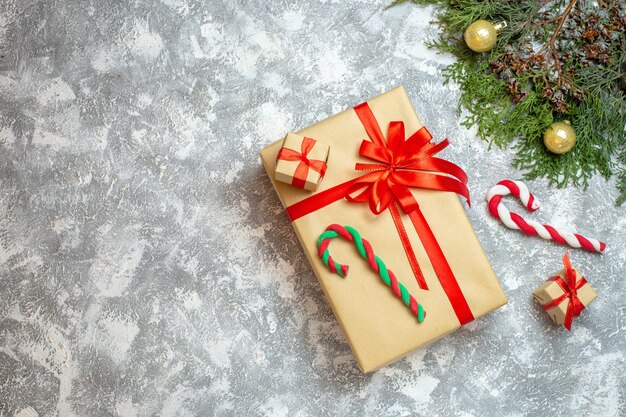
[{"x": 376, "y": 152}]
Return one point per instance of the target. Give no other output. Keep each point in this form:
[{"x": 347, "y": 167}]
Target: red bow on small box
[
  {"x": 302, "y": 171},
  {"x": 570, "y": 288}
]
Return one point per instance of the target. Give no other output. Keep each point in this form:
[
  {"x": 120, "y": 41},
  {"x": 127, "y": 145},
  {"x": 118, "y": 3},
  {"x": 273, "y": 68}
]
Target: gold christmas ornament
[
  {"x": 481, "y": 35},
  {"x": 623, "y": 79},
  {"x": 559, "y": 137}
]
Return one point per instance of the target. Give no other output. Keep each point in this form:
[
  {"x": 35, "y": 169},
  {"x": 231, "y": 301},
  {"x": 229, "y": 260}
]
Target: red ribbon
[
  {"x": 570, "y": 288},
  {"x": 302, "y": 170},
  {"x": 400, "y": 165}
]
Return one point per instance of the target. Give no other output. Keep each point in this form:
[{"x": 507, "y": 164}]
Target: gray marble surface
[{"x": 146, "y": 266}]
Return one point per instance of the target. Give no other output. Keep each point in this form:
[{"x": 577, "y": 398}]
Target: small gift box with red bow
[
  {"x": 301, "y": 162},
  {"x": 565, "y": 295}
]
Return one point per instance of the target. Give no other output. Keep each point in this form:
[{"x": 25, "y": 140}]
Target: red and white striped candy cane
[{"x": 531, "y": 227}]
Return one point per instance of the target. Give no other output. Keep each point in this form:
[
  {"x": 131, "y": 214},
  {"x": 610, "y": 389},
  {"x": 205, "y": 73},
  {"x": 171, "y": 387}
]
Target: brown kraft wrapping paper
[
  {"x": 379, "y": 328},
  {"x": 550, "y": 291},
  {"x": 286, "y": 170}
]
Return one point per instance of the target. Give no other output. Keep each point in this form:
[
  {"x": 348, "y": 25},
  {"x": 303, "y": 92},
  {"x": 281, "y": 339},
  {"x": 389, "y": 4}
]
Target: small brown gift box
[
  {"x": 565, "y": 295},
  {"x": 301, "y": 162},
  {"x": 379, "y": 328}
]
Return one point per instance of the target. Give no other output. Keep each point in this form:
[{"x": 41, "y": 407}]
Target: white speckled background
[{"x": 146, "y": 266}]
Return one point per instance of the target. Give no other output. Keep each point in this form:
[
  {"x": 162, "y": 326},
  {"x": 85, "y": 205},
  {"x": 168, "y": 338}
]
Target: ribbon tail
[
  {"x": 369, "y": 122},
  {"x": 300, "y": 175},
  {"x": 442, "y": 268},
  {"x": 569, "y": 316},
  {"x": 406, "y": 244}
]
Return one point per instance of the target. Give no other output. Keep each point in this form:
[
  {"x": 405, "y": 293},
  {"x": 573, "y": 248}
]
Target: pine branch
[
  {"x": 513, "y": 93},
  {"x": 552, "y": 47}
]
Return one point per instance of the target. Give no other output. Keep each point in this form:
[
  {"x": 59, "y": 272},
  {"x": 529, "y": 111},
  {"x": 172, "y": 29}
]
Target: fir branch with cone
[{"x": 555, "y": 60}]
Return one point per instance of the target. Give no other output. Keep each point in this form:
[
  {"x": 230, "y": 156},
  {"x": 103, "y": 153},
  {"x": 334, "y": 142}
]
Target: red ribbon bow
[
  {"x": 570, "y": 288},
  {"x": 400, "y": 165},
  {"x": 302, "y": 170}
]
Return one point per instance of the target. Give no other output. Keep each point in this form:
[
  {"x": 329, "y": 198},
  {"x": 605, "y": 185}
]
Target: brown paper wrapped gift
[
  {"x": 301, "y": 162},
  {"x": 379, "y": 328},
  {"x": 565, "y": 295}
]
